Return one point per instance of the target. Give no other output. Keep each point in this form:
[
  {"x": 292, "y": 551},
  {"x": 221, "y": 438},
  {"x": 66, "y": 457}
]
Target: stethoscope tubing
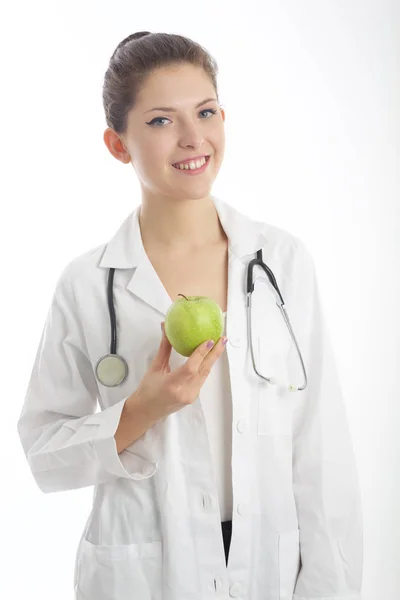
[
  {"x": 281, "y": 305},
  {"x": 111, "y": 310}
]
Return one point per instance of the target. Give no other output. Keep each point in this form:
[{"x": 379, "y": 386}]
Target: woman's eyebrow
[{"x": 169, "y": 109}]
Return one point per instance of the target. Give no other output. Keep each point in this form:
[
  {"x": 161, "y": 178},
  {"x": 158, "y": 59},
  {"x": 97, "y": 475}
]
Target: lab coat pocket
[
  {"x": 289, "y": 563},
  {"x": 120, "y": 572}
]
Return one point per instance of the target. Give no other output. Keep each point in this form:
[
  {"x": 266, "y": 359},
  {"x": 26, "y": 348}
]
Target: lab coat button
[
  {"x": 242, "y": 509},
  {"x": 235, "y": 341},
  {"x": 207, "y": 502},
  {"x": 241, "y": 426},
  {"x": 236, "y": 590}
]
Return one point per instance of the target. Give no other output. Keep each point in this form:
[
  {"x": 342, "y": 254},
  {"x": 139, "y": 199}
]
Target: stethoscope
[
  {"x": 281, "y": 305},
  {"x": 112, "y": 369}
]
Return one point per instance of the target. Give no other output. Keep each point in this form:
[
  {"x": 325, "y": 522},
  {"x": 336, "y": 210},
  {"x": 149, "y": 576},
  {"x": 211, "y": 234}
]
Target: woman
[{"x": 182, "y": 450}]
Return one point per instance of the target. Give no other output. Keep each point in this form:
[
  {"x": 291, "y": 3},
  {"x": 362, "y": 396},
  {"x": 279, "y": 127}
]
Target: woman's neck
[{"x": 176, "y": 226}]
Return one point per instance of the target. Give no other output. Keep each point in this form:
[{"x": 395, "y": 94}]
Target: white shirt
[{"x": 216, "y": 402}]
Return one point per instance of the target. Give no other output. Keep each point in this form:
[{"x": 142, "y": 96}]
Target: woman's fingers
[
  {"x": 161, "y": 359},
  {"x": 199, "y": 362}
]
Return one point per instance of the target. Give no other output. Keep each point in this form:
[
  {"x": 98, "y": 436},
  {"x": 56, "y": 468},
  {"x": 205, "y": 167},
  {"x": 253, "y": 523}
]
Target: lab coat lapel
[
  {"x": 125, "y": 251},
  {"x": 146, "y": 284}
]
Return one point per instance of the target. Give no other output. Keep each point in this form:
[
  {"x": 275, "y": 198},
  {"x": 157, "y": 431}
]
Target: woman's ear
[{"x": 116, "y": 146}]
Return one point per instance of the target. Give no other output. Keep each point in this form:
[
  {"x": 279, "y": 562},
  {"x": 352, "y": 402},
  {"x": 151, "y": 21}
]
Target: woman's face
[{"x": 187, "y": 127}]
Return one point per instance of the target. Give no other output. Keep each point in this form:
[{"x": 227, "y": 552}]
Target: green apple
[{"x": 192, "y": 320}]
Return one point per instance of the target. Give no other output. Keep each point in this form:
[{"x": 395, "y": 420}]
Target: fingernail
[
  {"x": 224, "y": 341},
  {"x": 210, "y": 344}
]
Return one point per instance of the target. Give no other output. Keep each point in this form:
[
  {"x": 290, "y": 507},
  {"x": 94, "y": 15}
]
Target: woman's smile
[{"x": 194, "y": 167}]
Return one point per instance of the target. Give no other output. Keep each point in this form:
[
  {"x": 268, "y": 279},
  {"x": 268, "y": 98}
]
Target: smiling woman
[
  {"x": 179, "y": 446},
  {"x": 162, "y": 109}
]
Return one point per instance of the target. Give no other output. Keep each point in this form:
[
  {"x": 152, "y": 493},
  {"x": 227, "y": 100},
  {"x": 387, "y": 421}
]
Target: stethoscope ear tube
[
  {"x": 281, "y": 305},
  {"x": 260, "y": 263}
]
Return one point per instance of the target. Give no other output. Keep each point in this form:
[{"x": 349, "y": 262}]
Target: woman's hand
[{"x": 164, "y": 392}]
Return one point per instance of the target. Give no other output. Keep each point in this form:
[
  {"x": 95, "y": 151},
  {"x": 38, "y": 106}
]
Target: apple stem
[{"x": 183, "y": 296}]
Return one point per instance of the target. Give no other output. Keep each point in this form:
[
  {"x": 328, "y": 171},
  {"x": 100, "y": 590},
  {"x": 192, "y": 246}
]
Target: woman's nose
[{"x": 191, "y": 136}]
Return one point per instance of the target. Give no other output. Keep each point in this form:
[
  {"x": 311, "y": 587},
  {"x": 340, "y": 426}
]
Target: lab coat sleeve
[
  {"x": 67, "y": 444},
  {"x": 325, "y": 479}
]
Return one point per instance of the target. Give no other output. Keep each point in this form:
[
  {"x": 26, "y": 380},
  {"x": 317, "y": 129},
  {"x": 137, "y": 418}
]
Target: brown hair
[{"x": 135, "y": 58}]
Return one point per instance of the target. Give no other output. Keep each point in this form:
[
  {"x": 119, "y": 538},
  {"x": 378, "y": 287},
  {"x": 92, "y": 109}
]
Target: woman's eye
[
  {"x": 156, "y": 120},
  {"x": 214, "y": 112}
]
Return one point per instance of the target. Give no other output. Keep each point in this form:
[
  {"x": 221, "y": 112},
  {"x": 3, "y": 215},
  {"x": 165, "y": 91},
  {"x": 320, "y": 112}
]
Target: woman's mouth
[{"x": 193, "y": 168}]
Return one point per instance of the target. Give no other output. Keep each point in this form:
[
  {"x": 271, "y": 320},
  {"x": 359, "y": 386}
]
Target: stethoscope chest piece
[{"x": 111, "y": 370}]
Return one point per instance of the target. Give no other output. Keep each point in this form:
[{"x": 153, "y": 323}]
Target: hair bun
[
  {"x": 138, "y": 35},
  {"x": 133, "y": 36}
]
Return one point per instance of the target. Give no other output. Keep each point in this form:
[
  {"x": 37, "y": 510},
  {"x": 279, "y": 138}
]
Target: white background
[{"x": 311, "y": 94}]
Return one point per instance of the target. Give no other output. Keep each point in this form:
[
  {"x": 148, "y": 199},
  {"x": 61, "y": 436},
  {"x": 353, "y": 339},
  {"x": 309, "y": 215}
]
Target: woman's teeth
[{"x": 192, "y": 165}]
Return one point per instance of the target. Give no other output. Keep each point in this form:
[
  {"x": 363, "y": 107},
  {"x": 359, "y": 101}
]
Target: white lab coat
[{"x": 154, "y": 532}]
